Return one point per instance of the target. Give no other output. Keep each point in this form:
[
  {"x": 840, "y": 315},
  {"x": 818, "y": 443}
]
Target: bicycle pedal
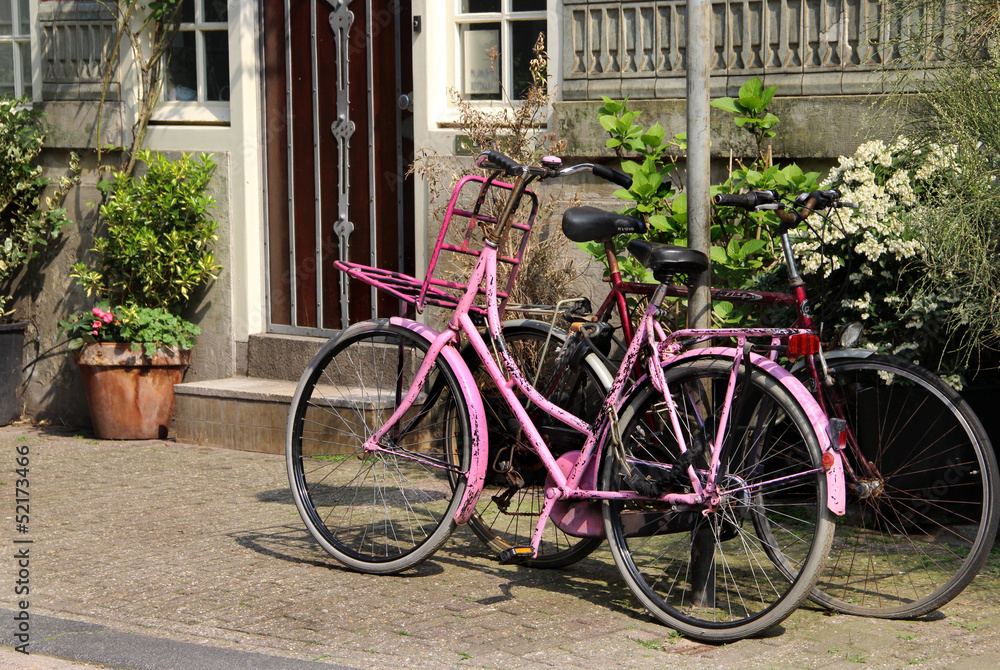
[{"x": 515, "y": 555}]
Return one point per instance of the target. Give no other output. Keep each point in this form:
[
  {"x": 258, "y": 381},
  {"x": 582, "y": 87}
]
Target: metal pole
[
  {"x": 699, "y": 36},
  {"x": 699, "y": 42}
]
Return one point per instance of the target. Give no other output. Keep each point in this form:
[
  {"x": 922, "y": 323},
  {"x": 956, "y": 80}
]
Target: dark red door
[{"x": 337, "y": 145}]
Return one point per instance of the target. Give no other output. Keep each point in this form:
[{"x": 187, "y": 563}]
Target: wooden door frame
[{"x": 386, "y": 240}]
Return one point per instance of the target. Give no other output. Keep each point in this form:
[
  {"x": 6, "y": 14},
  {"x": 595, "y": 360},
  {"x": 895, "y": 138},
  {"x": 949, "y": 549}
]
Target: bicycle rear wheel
[
  {"x": 386, "y": 511},
  {"x": 514, "y": 492},
  {"x": 737, "y": 569},
  {"x": 922, "y": 505}
]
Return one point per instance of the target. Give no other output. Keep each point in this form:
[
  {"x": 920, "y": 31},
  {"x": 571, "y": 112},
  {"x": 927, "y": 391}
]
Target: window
[
  {"x": 15, "y": 48},
  {"x": 508, "y": 28},
  {"x": 196, "y": 81}
]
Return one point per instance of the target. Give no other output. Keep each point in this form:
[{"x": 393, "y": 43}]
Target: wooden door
[{"x": 337, "y": 145}]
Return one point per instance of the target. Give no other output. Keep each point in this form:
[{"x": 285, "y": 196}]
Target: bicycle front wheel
[
  {"x": 922, "y": 501},
  {"x": 385, "y": 511},
  {"x": 734, "y": 569},
  {"x": 514, "y": 492}
]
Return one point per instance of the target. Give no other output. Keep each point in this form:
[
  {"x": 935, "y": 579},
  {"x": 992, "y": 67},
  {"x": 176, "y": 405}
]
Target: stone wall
[{"x": 807, "y": 47}]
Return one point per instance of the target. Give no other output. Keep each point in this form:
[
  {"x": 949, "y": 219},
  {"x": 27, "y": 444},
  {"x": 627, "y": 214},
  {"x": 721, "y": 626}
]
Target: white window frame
[
  {"x": 504, "y": 17},
  {"x": 32, "y": 42},
  {"x": 201, "y": 110}
]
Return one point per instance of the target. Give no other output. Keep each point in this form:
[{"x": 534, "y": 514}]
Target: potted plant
[
  {"x": 155, "y": 251},
  {"x": 26, "y": 228}
]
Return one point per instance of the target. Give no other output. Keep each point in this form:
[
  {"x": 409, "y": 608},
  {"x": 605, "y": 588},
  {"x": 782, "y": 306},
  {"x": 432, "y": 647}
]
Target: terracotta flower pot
[{"x": 130, "y": 395}]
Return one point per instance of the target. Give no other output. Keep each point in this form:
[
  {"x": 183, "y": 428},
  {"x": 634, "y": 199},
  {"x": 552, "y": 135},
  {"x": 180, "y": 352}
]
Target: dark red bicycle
[{"x": 921, "y": 472}]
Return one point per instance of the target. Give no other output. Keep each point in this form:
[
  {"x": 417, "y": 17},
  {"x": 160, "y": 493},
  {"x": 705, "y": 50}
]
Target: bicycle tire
[
  {"x": 916, "y": 534},
  {"x": 377, "y": 512},
  {"x": 770, "y": 534},
  {"x": 508, "y": 509}
]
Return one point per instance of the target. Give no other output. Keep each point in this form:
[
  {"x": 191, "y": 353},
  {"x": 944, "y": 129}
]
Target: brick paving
[{"x": 204, "y": 546}]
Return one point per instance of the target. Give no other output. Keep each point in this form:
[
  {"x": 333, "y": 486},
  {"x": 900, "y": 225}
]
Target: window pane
[
  {"x": 473, "y": 6},
  {"x": 528, "y": 5},
  {"x": 24, "y": 14},
  {"x": 187, "y": 11},
  {"x": 25, "y": 68},
  {"x": 6, "y": 18},
  {"x": 215, "y": 11},
  {"x": 217, "y": 65},
  {"x": 181, "y": 79},
  {"x": 481, "y": 71},
  {"x": 524, "y": 34},
  {"x": 7, "y": 69}
]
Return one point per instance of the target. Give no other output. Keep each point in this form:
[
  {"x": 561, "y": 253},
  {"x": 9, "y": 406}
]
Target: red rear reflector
[
  {"x": 828, "y": 460},
  {"x": 804, "y": 344}
]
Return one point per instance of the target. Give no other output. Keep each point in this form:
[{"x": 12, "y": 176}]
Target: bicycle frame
[
  {"x": 567, "y": 486},
  {"x": 616, "y": 301}
]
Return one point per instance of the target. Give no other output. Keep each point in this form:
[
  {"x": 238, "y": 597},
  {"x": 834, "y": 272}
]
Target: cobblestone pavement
[{"x": 205, "y": 546}]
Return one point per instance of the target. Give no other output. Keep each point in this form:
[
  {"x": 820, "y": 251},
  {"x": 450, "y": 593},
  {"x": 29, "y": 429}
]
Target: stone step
[
  {"x": 250, "y": 413},
  {"x": 245, "y": 413}
]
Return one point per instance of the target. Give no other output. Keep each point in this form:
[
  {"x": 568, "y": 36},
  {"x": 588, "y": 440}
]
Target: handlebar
[
  {"x": 750, "y": 200},
  {"x": 758, "y": 200},
  {"x": 494, "y": 160},
  {"x": 613, "y": 176},
  {"x": 804, "y": 204}
]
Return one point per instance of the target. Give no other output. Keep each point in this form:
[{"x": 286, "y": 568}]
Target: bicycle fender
[
  {"x": 837, "y": 355},
  {"x": 836, "y": 494},
  {"x": 476, "y": 475}
]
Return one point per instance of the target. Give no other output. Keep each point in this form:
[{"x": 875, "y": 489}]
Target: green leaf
[
  {"x": 767, "y": 95},
  {"x": 734, "y": 251},
  {"x": 728, "y": 105},
  {"x": 660, "y": 222},
  {"x": 680, "y": 204},
  {"x": 723, "y": 309},
  {"x": 654, "y": 136},
  {"x": 752, "y": 247},
  {"x": 609, "y": 123},
  {"x": 631, "y": 168},
  {"x": 750, "y": 94},
  {"x": 718, "y": 255}
]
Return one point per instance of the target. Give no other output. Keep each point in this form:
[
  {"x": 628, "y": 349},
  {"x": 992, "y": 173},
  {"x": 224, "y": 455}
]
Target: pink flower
[
  {"x": 94, "y": 333},
  {"x": 106, "y": 317},
  {"x": 96, "y": 325}
]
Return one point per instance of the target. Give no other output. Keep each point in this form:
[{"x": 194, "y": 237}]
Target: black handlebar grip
[
  {"x": 745, "y": 200},
  {"x": 613, "y": 176},
  {"x": 505, "y": 163}
]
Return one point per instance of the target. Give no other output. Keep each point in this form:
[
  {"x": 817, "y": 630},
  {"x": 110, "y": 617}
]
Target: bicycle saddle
[
  {"x": 589, "y": 224},
  {"x": 666, "y": 260}
]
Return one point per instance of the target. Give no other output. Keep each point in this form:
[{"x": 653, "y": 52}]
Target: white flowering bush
[{"x": 867, "y": 264}]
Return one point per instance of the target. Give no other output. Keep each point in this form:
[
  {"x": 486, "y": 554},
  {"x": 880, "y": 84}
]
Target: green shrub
[
  {"x": 26, "y": 226},
  {"x": 155, "y": 251}
]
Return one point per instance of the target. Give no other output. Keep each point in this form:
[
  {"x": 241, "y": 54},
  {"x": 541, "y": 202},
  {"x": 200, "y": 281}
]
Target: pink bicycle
[{"x": 712, "y": 472}]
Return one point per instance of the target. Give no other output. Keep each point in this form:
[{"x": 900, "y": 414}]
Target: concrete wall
[{"x": 816, "y": 127}]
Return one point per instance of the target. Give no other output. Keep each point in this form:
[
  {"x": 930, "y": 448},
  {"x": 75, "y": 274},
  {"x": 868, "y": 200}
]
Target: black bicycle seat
[
  {"x": 666, "y": 260},
  {"x": 589, "y": 224}
]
